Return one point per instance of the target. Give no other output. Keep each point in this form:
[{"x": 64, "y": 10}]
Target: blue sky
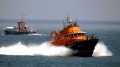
[{"x": 103, "y": 10}]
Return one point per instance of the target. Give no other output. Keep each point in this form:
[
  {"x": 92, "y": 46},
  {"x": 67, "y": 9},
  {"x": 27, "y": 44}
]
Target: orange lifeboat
[{"x": 73, "y": 37}]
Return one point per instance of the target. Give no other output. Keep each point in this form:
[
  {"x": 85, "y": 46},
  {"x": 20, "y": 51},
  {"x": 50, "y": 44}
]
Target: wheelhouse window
[
  {"x": 74, "y": 34},
  {"x": 79, "y": 34}
]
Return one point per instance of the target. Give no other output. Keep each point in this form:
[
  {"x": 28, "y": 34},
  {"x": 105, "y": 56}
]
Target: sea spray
[
  {"x": 45, "y": 48},
  {"x": 38, "y": 34},
  {"x": 101, "y": 50}
]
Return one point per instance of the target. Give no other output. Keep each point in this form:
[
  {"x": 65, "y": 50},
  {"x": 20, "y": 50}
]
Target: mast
[
  {"x": 76, "y": 21},
  {"x": 63, "y": 24},
  {"x": 22, "y": 15},
  {"x": 68, "y": 19}
]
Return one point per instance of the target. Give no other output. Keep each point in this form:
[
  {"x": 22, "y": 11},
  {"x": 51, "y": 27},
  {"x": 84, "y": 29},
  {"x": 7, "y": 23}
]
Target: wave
[
  {"x": 47, "y": 49},
  {"x": 37, "y": 35},
  {"x": 101, "y": 50},
  {"x": 3, "y": 34},
  {"x": 34, "y": 34}
]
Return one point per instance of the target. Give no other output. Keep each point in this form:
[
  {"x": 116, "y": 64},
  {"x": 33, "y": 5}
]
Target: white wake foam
[
  {"x": 101, "y": 50},
  {"x": 37, "y": 34},
  {"x": 43, "y": 49},
  {"x": 48, "y": 49}
]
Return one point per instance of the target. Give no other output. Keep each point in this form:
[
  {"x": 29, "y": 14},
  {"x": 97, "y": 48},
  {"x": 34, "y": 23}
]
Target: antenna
[
  {"x": 67, "y": 14},
  {"x": 22, "y": 15},
  {"x": 63, "y": 24},
  {"x": 76, "y": 20},
  {"x": 67, "y": 17}
]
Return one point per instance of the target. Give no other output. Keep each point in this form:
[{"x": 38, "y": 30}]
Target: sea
[{"x": 35, "y": 50}]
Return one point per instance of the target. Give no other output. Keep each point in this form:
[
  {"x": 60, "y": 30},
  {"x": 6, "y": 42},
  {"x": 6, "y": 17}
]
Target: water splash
[
  {"x": 47, "y": 49},
  {"x": 43, "y": 49},
  {"x": 37, "y": 34},
  {"x": 101, "y": 50}
]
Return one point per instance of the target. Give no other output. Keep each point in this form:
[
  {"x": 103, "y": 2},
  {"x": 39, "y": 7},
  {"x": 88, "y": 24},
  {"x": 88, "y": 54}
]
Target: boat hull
[
  {"x": 84, "y": 48},
  {"x": 17, "y": 33}
]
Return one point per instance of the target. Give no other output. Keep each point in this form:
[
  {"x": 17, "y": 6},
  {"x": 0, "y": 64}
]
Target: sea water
[{"x": 35, "y": 50}]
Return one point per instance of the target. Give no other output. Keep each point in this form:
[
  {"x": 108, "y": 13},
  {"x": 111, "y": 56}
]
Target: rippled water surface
[{"x": 35, "y": 50}]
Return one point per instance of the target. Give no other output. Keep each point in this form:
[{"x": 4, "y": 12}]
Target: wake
[
  {"x": 101, "y": 50},
  {"x": 35, "y": 34},
  {"x": 47, "y": 49}
]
